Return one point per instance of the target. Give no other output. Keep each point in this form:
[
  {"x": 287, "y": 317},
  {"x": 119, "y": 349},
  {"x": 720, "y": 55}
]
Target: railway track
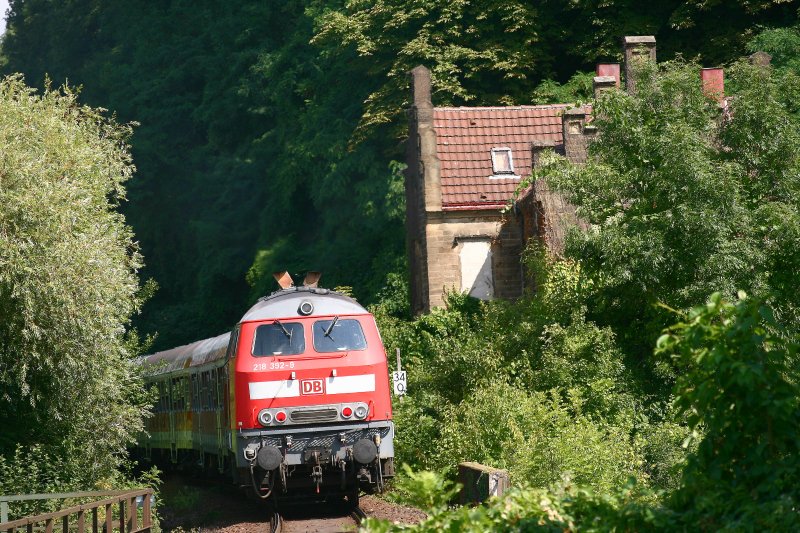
[
  {"x": 275, "y": 523},
  {"x": 298, "y": 522}
]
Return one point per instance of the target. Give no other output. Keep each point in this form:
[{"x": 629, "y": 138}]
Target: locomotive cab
[{"x": 312, "y": 401}]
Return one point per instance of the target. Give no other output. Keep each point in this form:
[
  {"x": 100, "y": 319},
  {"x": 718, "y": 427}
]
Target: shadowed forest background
[
  {"x": 266, "y": 129},
  {"x": 652, "y": 379}
]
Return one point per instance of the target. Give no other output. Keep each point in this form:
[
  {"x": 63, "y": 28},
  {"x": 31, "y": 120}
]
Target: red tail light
[
  {"x": 347, "y": 412},
  {"x": 280, "y": 416}
]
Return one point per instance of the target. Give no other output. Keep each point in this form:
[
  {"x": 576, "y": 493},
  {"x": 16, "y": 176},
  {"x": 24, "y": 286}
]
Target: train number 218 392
[{"x": 279, "y": 365}]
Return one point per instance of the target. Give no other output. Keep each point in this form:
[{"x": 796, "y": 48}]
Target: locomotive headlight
[
  {"x": 265, "y": 417},
  {"x": 306, "y": 308},
  {"x": 361, "y": 411}
]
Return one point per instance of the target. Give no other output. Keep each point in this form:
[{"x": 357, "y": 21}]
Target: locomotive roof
[
  {"x": 194, "y": 354},
  {"x": 279, "y": 304},
  {"x": 285, "y": 303}
]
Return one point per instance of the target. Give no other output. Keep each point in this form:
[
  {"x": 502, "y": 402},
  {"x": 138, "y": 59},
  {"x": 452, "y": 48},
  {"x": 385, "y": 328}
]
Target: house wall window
[
  {"x": 476, "y": 268},
  {"x": 502, "y": 161}
]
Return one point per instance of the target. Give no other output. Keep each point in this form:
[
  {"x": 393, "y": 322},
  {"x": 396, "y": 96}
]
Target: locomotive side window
[
  {"x": 279, "y": 338},
  {"x": 338, "y": 335},
  {"x": 233, "y": 344}
]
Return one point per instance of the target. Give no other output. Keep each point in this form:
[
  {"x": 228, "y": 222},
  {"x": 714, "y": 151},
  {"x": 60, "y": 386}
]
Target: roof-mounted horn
[
  {"x": 312, "y": 279},
  {"x": 283, "y": 279}
]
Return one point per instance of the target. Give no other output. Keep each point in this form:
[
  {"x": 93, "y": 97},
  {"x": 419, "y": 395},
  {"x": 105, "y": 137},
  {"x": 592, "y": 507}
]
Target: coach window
[
  {"x": 167, "y": 398},
  {"x": 163, "y": 397},
  {"x": 206, "y": 390},
  {"x": 177, "y": 395},
  {"x": 338, "y": 335},
  {"x": 195, "y": 393},
  {"x": 279, "y": 338},
  {"x": 213, "y": 386}
]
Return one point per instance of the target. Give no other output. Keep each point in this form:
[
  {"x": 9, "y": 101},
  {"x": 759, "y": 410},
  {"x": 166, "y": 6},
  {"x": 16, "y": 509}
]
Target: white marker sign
[{"x": 399, "y": 380}]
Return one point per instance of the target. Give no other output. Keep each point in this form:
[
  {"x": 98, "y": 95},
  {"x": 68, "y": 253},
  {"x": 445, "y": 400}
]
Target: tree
[
  {"x": 685, "y": 199},
  {"x": 70, "y": 395},
  {"x": 248, "y": 111},
  {"x": 498, "y": 52},
  {"x": 739, "y": 391}
]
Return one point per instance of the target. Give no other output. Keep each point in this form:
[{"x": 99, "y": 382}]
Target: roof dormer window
[{"x": 502, "y": 162}]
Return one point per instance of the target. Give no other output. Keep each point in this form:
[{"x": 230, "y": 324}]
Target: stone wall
[{"x": 445, "y": 234}]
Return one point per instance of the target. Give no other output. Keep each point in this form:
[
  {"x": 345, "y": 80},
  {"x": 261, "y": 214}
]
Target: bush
[
  {"x": 71, "y": 397},
  {"x": 530, "y": 386},
  {"x": 538, "y": 437},
  {"x": 740, "y": 392}
]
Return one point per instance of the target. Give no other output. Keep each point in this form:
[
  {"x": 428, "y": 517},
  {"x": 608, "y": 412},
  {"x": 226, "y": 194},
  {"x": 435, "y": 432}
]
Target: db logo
[{"x": 312, "y": 386}]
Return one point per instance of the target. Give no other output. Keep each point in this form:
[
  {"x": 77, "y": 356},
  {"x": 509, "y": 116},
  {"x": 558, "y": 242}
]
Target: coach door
[
  {"x": 173, "y": 401},
  {"x": 197, "y": 417}
]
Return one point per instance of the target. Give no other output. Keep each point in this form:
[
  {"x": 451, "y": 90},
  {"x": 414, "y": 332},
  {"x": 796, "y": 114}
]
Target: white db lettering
[{"x": 311, "y": 386}]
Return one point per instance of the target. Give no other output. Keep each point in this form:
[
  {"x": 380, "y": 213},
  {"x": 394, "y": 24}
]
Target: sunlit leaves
[
  {"x": 68, "y": 284},
  {"x": 684, "y": 198},
  {"x": 738, "y": 389}
]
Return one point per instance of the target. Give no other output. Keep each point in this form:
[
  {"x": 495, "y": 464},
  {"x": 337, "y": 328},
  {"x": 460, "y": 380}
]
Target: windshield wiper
[
  {"x": 330, "y": 328},
  {"x": 283, "y": 329}
]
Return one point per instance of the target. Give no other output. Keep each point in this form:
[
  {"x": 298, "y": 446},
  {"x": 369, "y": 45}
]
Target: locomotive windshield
[
  {"x": 338, "y": 335},
  {"x": 279, "y": 338}
]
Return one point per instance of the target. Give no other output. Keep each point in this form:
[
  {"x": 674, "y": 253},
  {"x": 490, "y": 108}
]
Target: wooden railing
[{"x": 97, "y": 516}]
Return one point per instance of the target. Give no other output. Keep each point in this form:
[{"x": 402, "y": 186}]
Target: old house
[{"x": 465, "y": 164}]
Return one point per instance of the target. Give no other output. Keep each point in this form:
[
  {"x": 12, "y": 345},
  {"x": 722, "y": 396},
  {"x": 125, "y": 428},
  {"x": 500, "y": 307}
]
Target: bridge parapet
[{"x": 481, "y": 482}]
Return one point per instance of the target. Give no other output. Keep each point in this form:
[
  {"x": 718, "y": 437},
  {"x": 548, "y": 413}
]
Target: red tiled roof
[{"x": 465, "y": 137}]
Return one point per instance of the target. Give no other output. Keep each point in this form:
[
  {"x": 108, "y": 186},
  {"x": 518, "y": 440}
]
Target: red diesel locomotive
[{"x": 294, "y": 401}]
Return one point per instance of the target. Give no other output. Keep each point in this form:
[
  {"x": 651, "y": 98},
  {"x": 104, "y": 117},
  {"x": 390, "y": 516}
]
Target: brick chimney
[
  {"x": 608, "y": 69},
  {"x": 637, "y": 48},
  {"x": 538, "y": 148},
  {"x": 602, "y": 84},
  {"x": 713, "y": 83},
  {"x": 576, "y": 139}
]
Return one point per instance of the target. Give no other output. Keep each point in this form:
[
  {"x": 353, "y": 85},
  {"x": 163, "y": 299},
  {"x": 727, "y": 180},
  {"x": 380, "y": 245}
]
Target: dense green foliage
[
  {"x": 738, "y": 388},
  {"x": 740, "y": 393},
  {"x": 564, "y": 388},
  {"x": 250, "y": 154},
  {"x": 70, "y": 395},
  {"x": 684, "y": 201},
  {"x": 267, "y": 132},
  {"x": 530, "y": 386}
]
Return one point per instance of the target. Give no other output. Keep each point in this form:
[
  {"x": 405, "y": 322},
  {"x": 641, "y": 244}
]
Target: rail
[{"x": 125, "y": 499}]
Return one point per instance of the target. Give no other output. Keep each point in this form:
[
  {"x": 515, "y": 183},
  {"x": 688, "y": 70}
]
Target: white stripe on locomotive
[{"x": 290, "y": 388}]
